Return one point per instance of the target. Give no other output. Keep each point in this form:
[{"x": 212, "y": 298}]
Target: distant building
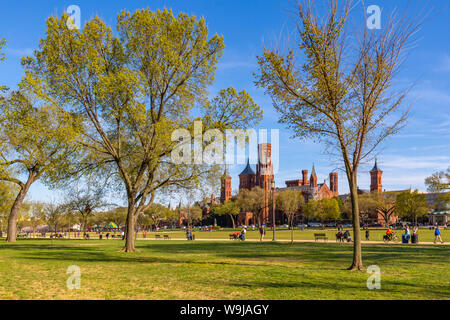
[{"x": 248, "y": 179}]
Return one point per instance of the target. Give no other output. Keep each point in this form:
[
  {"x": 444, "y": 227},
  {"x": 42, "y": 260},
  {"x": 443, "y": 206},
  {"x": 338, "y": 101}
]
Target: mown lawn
[{"x": 34, "y": 269}]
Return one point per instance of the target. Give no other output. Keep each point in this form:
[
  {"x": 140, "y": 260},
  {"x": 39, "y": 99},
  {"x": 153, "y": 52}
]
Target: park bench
[
  {"x": 157, "y": 236},
  {"x": 318, "y": 236},
  {"x": 166, "y": 237}
]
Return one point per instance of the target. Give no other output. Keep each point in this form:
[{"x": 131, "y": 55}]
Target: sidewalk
[{"x": 303, "y": 241}]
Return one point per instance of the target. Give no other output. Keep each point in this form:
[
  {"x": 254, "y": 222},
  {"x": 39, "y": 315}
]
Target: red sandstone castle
[
  {"x": 310, "y": 188},
  {"x": 263, "y": 177}
]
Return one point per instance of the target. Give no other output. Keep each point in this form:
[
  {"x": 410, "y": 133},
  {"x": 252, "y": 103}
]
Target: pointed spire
[
  {"x": 375, "y": 167},
  {"x": 225, "y": 172},
  {"x": 313, "y": 171},
  {"x": 248, "y": 169}
]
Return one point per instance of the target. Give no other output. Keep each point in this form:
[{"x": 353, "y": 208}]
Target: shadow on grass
[{"x": 178, "y": 252}]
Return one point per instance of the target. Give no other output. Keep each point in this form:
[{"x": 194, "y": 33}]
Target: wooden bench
[
  {"x": 318, "y": 236},
  {"x": 157, "y": 236},
  {"x": 166, "y": 237}
]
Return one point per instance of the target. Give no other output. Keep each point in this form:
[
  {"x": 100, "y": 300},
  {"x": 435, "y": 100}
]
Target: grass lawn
[{"x": 34, "y": 269}]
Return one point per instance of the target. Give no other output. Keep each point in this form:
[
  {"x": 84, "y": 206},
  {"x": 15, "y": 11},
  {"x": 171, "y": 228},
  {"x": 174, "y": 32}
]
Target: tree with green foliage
[
  {"x": 85, "y": 199},
  {"x": 367, "y": 204},
  {"x": 54, "y": 215},
  {"x": 341, "y": 98},
  {"x": 310, "y": 209},
  {"x": 438, "y": 181},
  {"x": 156, "y": 214},
  {"x": 134, "y": 90},
  {"x": 191, "y": 214},
  {"x": 229, "y": 207},
  {"x": 116, "y": 215},
  {"x": 385, "y": 204},
  {"x": 411, "y": 205},
  {"x": 289, "y": 202},
  {"x": 7, "y": 195},
  {"x": 36, "y": 142},
  {"x": 253, "y": 201},
  {"x": 322, "y": 209}
]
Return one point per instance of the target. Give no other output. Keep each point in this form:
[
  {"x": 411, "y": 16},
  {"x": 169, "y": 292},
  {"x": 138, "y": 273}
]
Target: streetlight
[{"x": 273, "y": 208}]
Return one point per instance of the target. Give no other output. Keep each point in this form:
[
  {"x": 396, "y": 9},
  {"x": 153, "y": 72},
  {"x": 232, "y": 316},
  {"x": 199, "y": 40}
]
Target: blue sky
[{"x": 422, "y": 148}]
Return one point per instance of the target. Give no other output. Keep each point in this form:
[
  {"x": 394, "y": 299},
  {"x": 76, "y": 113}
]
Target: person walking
[
  {"x": 243, "y": 232},
  {"x": 437, "y": 234},
  {"x": 367, "y": 234},
  {"x": 262, "y": 232}
]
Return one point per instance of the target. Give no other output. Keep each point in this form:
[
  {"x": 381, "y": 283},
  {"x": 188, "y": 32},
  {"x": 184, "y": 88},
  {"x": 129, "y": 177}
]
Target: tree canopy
[{"x": 134, "y": 89}]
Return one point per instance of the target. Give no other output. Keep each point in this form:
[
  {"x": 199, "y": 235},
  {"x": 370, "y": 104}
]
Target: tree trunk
[
  {"x": 291, "y": 223},
  {"x": 357, "y": 255},
  {"x": 12, "y": 219},
  {"x": 232, "y": 221},
  {"x": 129, "y": 233}
]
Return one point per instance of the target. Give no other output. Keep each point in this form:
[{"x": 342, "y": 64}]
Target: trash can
[
  {"x": 405, "y": 238},
  {"x": 415, "y": 238}
]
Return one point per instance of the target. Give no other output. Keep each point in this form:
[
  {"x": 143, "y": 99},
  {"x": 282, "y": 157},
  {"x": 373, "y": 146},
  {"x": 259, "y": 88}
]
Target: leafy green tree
[
  {"x": 7, "y": 191},
  {"x": 229, "y": 207},
  {"x": 37, "y": 214},
  {"x": 116, "y": 215},
  {"x": 329, "y": 209},
  {"x": 367, "y": 204},
  {"x": 385, "y": 206},
  {"x": 343, "y": 99},
  {"x": 191, "y": 214},
  {"x": 438, "y": 181},
  {"x": 134, "y": 91},
  {"x": 85, "y": 201},
  {"x": 36, "y": 142},
  {"x": 411, "y": 205},
  {"x": 252, "y": 201},
  {"x": 289, "y": 202},
  {"x": 54, "y": 215},
  {"x": 311, "y": 209},
  {"x": 322, "y": 209},
  {"x": 156, "y": 214}
]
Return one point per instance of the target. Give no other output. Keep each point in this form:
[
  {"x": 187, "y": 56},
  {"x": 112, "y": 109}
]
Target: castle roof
[
  {"x": 375, "y": 167},
  {"x": 248, "y": 169},
  {"x": 313, "y": 172}
]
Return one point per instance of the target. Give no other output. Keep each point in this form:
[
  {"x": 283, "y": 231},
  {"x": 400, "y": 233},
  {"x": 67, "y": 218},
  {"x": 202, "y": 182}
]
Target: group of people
[
  {"x": 390, "y": 233},
  {"x": 343, "y": 236}
]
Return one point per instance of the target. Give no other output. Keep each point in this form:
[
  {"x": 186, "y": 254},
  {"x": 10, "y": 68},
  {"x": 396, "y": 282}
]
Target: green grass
[{"x": 34, "y": 269}]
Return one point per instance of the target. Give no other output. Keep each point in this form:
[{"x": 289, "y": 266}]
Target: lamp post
[{"x": 273, "y": 208}]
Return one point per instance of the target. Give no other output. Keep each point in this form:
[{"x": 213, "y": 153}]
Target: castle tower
[
  {"x": 313, "y": 178},
  {"x": 305, "y": 181},
  {"x": 225, "y": 187},
  {"x": 334, "y": 183},
  {"x": 375, "y": 179},
  {"x": 247, "y": 178},
  {"x": 264, "y": 175}
]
